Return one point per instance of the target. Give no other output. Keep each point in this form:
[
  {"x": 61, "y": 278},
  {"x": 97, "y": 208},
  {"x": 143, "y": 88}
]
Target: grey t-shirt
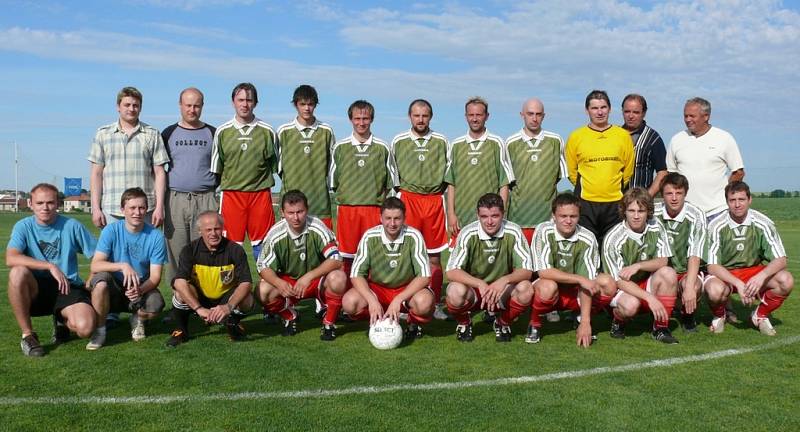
[{"x": 190, "y": 158}]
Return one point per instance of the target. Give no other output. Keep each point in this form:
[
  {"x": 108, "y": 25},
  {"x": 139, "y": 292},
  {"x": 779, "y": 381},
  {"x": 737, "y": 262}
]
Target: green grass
[{"x": 753, "y": 391}]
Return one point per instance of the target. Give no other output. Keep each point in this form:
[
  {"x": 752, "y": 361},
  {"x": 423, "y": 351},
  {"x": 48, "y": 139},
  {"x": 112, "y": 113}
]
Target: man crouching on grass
[
  {"x": 42, "y": 258},
  {"x": 213, "y": 281},
  {"x": 127, "y": 269}
]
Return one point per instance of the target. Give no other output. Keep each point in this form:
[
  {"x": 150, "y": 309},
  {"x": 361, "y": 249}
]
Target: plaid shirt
[{"x": 128, "y": 162}]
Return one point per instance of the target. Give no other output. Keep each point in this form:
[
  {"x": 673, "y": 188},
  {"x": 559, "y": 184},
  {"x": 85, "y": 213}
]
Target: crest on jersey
[
  {"x": 361, "y": 163},
  {"x": 740, "y": 247},
  {"x": 244, "y": 146},
  {"x": 562, "y": 262},
  {"x": 302, "y": 256},
  {"x": 307, "y": 149},
  {"x": 473, "y": 161},
  {"x": 534, "y": 157},
  {"x": 643, "y": 256},
  {"x": 490, "y": 259},
  {"x": 393, "y": 263},
  {"x": 226, "y": 276},
  {"x": 421, "y": 158},
  {"x": 671, "y": 239}
]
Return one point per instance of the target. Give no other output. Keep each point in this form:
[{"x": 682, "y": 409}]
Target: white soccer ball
[{"x": 386, "y": 334}]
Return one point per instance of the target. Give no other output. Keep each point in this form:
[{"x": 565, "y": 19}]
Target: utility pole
[{"x": 16, "y": 178}]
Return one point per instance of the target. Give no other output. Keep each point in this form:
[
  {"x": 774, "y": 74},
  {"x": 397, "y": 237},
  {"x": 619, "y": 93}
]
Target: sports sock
[
  {"x": 669, "y": 303},
  {"x": 413, "y": 318},
  {"x": 541, "y": 306},
  {"x": 514, "y": 310},
  {"x": 461, "y": 314},
  {"x": 279, "y": 307},
  {"x": 718, "y": 311},
  {"x": 181, "y": 318},
  {"x": 334, "y": 303},
  {"x": 769, "y": 303}
]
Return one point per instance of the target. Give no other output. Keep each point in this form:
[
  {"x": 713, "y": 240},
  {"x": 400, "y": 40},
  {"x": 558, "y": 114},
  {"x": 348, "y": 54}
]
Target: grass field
[{"x": 738, "y": 380}]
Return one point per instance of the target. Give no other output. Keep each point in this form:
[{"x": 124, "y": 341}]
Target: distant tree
[
  {"x": 777, "y": 193},
  {"x": 796, "y": 194}
]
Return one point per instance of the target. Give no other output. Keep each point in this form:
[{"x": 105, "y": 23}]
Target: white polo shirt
[{"x": 707, "y": 162}]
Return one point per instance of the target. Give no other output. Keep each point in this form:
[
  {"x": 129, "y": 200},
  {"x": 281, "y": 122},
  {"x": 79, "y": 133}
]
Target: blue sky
[{"x": 61, "y": 64}]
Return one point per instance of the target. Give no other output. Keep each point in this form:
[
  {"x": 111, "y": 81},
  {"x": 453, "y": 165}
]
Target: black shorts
[
  {"x": 208, "y": 303},
  {"x": 599, "y": 217},
  {"x": 151, "y": 301},
  {"x": 49, "y": 301}
]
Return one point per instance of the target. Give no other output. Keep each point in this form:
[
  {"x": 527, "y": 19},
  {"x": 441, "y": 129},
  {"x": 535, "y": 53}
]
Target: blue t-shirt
[
  {"x": 137, "y": 249},
  {"x": 58, "y": 243}
]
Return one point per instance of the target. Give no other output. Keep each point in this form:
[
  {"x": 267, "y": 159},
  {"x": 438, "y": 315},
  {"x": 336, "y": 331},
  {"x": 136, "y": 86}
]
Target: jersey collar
[
  {"x": 481, "y": 139},
  {"x": 294, "y": 236},
  {"x": 633, "y": 235},
  {"x": 748, "y": 220},
  {"x": 426, "y": 137},
  {"x": 572, "y": 239},
  {"x": 354, "y": 141},
  {"x": 528, "y": 138},
  {"x": 500, "y": 233},
  {"x": 399, "y": 240},
  {"x": 300, "y": 127},
  {"x": 239, "y": 126},
  {"x": 680, "y": 217}
]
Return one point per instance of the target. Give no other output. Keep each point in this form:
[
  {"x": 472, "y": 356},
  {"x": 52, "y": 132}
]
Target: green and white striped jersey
[
  {"x": 576, "y": 255},
  {"x": 490, "y": 257},
  {"x": 476, "y": 167},
  {"x": 538, "y": 164},
  {"x": 295, "y": 254},
  {"x": 304, "y": 160},
  {"x": 753, "y": 242},
  {"x": 245, "y": 156},
  {"x": 686, "y": 233},
  {"x": 623, "y": 247},
  {"x": 362, "y": 173},
  {"x": 391, "y": 263},
  {"x": 421, "y": 162}
]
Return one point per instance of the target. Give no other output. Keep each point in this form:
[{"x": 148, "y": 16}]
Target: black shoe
[
  {"x": 60, "y": 331},
  {"x": 328, "y": 332},
  {"x": 413, "y": 331},
  {"x": 178, "y": 337},
  {"x": 31, "y": 347},
  {"x": 730, "y": 315},
  {"x": 664, "y": 335},
  {"x": 617, "y": 329},
  {"x": 235, "y": 332},
  {"x": 464, "y": 333},
  {"x": 688, "y": 323},
  {"x": 289, "y": 327},
  {"x": 269, "y": 318},
  {"x": 488, "y": 317},
  {"x": 533, "y": 335},
  {"x": 502, "y": 333}
]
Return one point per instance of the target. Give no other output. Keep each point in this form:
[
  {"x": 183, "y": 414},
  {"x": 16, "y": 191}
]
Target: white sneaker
[
  {"x": 717, "y": 325},
  {"x": 439, "y": 313},
  {"x": 97, "y": 340},
  {"x": 137, "y": 328},
  {"x": 763, "y": 325},
  {"x": 553, "y": 316}
]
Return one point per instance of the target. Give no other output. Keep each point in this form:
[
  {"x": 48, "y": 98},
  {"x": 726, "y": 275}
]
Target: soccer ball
[{"x": 386, "y": 334}]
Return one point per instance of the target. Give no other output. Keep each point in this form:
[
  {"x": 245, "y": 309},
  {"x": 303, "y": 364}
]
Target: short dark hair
[
  {"x": 132, "y": 193},
  {"x": 129, "y": 92},
  {"x": 393, "y": 203},
  {"x": 491, "y": 200},
  {"x": 597, "y": 94},
  {"x": 293, "y": 196},
  {"x": 637, "y": 97},
  {"x": 639, "y": 196},
  {"x": 361, "y": 105},
  {"x": 677, "y": 180},
  {"x": 565, "y": 198},
  {"x": 45, "y": 186},
  {"x": 305, "y": 92},
  {"x": 477, "y": 100},
  {"x": 246, "y": 86},
  {"x": 737, "y": 186},
  {"x": 420, "y": 102}
]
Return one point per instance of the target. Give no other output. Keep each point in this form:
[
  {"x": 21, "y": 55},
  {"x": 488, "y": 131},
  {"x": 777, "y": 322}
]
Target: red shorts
[
  {"x": 385, "y": 295},
  {"x": 744, "y": 274},
  {"x": 528, "y": 233},
  {"x": 643, "y": 284},
  {"x": 312, "y": 291},
  {"x": 568, "y": 299},
  {"x": 426, "y": 213},
  {"x": 351, "y": 223},
  {"x": 246, "y": 212}
]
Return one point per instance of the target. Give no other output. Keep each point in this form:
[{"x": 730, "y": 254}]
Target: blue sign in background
[{"x": 72, "y": 186}]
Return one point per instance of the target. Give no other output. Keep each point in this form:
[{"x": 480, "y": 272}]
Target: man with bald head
[
  {"x": 191, "y": 184},
  {"x": 537, "y": 160}
]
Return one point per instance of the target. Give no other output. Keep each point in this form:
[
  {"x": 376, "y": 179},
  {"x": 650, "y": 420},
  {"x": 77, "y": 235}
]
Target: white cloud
[
  {"x": 193, "y": 4},
  {"x": 199, "y": 32}
]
